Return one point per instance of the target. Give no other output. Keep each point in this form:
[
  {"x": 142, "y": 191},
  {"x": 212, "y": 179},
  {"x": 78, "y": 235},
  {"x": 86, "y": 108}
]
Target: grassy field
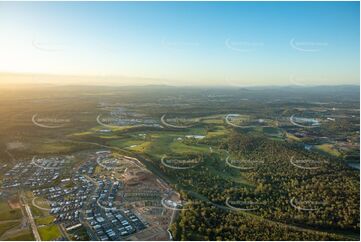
[
  {"x": 55, "y": 146},
  {"x": 181, "y": 148},
  {"x": 230, "y": 174},
  {"x": 6, "y": 213},
  {"x": 217, "y": 131},
  {"x": 126, "y": 143},
  {"x": 27, "y": 235},
  {"x": 292, "y": 137},
  {"x": 5, "y": 226},
  {"x": 329, "y": 149},
  {"x": 41, "y": 217},
  {"x": 141, "y": 148},
  {"x": 272, "y": 131},
  {"x": 213, "y": 121},
  {"x": 42, "y": 202},
  {"x": 49, "y": 232},
  {"x": 238, "y": 120},
  {"x": 168, "y": 144},
  {"x": 37, "y": 212},
  {"x": 44, "y": 220}
]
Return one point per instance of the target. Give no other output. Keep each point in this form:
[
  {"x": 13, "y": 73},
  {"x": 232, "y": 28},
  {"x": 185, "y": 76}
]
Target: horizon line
[{"x": 162, "y": 81}]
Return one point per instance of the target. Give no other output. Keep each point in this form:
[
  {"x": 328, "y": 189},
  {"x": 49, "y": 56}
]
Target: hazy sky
[{"x": 238, "y": 43}]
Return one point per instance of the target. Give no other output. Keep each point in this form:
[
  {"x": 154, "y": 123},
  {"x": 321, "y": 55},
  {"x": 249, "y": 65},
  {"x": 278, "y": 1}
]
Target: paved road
[
  {"x": 64, "y": 233},
  {"x": 35, "y": 205},
  {"x": 31, "y": 221},
  {"x": 13, "y": 160},
  {"x": 201, "y": 197}
]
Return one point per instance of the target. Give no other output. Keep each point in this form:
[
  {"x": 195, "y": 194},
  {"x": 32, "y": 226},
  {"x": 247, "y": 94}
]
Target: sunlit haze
[
  {"x": 179, "y": 121},
  {"x": 231, "y": 44}
]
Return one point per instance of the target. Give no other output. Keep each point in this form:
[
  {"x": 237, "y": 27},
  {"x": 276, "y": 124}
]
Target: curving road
[
  {"x": 37, "y": 206},
  {"x": 206, "y": 200}
]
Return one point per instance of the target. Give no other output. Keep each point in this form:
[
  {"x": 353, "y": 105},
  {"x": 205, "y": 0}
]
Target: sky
[{"x": 184, "y": 43}]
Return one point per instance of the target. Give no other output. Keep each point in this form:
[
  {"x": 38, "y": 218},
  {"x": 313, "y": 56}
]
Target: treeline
[
  {"x": 203, "y": 222},
  {"x": 329, "y": 189},
  {"x": 323, "y": 198}
]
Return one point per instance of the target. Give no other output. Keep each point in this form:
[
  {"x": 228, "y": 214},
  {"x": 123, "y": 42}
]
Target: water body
[
  {"x": 354, "y": 165},
  {"x": 195, "y": 136},
  {"x": 311, "y": 121}
]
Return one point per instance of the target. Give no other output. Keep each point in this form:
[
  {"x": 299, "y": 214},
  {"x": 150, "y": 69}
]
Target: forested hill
[{"x": 289, "y": 191}]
